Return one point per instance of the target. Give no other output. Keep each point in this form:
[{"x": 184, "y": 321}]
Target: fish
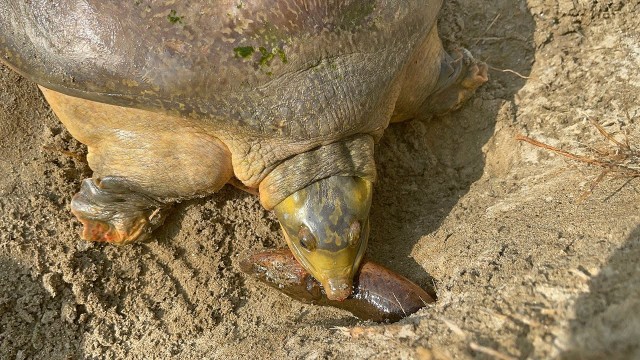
[{"x": 379, "y": 294}]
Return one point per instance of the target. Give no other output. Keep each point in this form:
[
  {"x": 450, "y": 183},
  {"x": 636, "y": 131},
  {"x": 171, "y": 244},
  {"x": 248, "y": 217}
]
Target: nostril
[
  {"x": 354, "y": 232},
  {"x": 341, "y": 287}
]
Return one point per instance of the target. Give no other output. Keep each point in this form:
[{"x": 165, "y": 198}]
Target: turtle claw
[
  {"x": 460, "y": 76},
  {"x": 101, "y": 231},
  {"x": 113, "y": 210}
]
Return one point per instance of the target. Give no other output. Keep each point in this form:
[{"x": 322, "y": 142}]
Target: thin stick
[
  {"x": 622, "y": 164},
  {"x": 510, "y": 71},
  {"x": 488, "y": 27},
  {"x": 584, "y": 159},
  {"x": 593, "y": 185},
  {"x": 619, "y": 189},
  {"x": 490, "y": 38},
  {"x": 561, "y": 152},
  {"x": 608, "y": 136}
]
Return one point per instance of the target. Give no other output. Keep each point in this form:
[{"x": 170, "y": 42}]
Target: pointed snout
[{"x": 338, "y": 289}]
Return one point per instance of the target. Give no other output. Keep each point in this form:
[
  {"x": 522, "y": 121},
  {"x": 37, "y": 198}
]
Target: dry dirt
[{"x": 523, "y": 267}]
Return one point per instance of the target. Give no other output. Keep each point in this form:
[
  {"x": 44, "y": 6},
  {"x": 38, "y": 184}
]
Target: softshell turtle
[{"x": 286, "y": 98}]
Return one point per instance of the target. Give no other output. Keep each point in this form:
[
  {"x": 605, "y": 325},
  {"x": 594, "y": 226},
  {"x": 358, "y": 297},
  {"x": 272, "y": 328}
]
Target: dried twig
[
  {"x": 511, "y": 71},
  {"x": 488, "y": 28},
  {"x": 609, "y": 137},
  {"x": 623, "y": 162}
]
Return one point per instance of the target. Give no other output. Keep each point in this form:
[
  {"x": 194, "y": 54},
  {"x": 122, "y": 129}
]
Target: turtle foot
[
  {"x": 460, "y": 76},
  {"x": 113, "y": 210}
]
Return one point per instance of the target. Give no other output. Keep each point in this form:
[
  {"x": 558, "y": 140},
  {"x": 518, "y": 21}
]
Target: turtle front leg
[
  {"x": 114, "y": 210},
  {"x": 142, "y": 162}
]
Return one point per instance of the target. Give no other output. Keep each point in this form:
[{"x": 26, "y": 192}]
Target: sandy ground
[{"x": 523, "y": 266}]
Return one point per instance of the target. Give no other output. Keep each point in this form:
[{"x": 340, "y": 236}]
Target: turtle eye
[
  {"x": 307, "y": 240},
  {"x": 354, "y": 232}
]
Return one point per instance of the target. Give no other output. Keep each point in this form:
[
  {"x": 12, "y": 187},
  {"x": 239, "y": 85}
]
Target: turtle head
[{"x": 326, "y": 225}]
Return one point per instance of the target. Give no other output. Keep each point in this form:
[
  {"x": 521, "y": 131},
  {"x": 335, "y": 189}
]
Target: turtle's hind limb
[
  {"x": 114, "y": 210},
  {"x": 461, "y": 75},
  {"x": 435, "y": 82}
]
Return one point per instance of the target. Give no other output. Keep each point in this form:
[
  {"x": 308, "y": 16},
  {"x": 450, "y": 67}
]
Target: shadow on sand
[
  {"x": 607, "y": 324},
  {"x": 424, "y": 168}
]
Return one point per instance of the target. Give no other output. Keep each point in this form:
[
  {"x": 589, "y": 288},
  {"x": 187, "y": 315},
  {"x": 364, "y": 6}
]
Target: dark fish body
[{"x": 379, "y": 294}]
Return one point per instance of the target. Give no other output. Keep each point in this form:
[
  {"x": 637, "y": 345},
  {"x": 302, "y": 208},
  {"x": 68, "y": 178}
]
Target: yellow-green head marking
[{"x": 326, "y": 226}]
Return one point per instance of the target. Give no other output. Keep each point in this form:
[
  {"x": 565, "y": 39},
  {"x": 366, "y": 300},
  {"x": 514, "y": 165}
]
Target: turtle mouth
[{"x": 338, "y": 289}]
